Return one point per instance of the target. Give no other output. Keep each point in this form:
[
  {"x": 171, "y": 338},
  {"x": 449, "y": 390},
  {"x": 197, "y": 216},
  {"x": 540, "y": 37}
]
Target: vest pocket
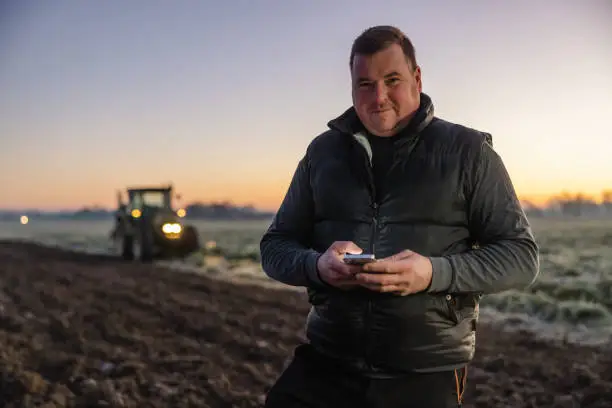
[
  {"x": 453, "y": 312},
  {"x": 463, "y": 307}
]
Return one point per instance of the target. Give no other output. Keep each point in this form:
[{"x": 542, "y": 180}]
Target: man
[{"x": 433, "y": 201}]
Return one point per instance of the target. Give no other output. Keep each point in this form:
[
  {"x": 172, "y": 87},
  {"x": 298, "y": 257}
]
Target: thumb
[
  {"x": 342, "y": 247},
  {"x": 406, "y": 253}
]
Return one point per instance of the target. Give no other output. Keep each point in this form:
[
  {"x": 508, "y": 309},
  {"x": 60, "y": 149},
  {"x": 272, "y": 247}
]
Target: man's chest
[{"x": 421, "y": 186}]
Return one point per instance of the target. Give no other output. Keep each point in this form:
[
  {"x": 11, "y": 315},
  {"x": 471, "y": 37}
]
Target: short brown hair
[{"x": 378, "y": 38}]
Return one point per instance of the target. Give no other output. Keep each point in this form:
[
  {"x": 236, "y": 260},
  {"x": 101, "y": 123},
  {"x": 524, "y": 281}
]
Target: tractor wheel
[
  {"x": 137, "y": 248},
  {"x": 127, "y": 247},
  {"x": 191, "y": 241},
  {"x": 146, "y": 244}
]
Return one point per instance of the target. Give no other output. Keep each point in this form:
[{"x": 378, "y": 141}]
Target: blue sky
[{"x": 223, "y": 97}]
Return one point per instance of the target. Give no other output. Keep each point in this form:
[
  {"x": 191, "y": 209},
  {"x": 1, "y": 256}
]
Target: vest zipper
[
  {"x": 366, "y": 342},
  {"x": 373, "y": 238},
  {"x": 374, "y": 231}
]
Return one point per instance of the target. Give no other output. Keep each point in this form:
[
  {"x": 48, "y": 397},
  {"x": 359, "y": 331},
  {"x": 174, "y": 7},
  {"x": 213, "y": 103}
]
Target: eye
[{"x": 392, "y": 81}]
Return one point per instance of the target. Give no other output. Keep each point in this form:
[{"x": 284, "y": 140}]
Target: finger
[
  {"x": 350, "y": 269},
  {"x": 343, "y": 247},
  {"x": 383, "y": 266},
  {"x": 345, "y": 270},
  {"x": 342, "y": 281},
  {"x": 341, "y": 276},
  {"x": 336, "y": 276},
  {"x": 406, "y": 253},
  {"x": 338, "y": 264}
]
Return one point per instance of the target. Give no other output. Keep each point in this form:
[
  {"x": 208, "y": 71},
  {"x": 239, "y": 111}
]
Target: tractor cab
[
  {"x": 147, "y": 225},
  {"x": 149, "y": 199}
]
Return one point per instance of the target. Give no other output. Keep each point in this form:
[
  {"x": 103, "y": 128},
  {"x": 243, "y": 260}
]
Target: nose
[{"x": 380, "y": 93}]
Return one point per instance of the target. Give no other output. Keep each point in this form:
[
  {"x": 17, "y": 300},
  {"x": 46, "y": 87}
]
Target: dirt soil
[{"x": 90, "y": 331}]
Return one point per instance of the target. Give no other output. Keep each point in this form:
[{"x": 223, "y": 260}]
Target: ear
[{"x": 417, "y": 78}]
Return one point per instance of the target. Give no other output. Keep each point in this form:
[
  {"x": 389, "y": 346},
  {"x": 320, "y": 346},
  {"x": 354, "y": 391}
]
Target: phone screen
[{"x": 359, "y": 259}]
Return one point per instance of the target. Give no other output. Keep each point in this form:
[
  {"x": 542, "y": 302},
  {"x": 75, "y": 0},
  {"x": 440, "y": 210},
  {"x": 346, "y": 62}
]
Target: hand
[
  {"x": 332, "y": 268},
  {"x": 404, "y": 273}
]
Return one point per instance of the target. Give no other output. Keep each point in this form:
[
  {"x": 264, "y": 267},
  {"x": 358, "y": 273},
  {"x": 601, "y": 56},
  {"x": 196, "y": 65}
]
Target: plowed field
[{"x": 90, "y": 331}]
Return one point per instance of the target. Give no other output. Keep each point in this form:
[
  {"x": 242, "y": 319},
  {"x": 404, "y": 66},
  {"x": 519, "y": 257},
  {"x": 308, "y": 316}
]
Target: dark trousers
[{"x": 313, "y": 381}]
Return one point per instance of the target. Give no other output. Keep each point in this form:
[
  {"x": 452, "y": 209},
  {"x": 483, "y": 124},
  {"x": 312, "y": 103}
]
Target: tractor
[{"x": 147, "y": 227}]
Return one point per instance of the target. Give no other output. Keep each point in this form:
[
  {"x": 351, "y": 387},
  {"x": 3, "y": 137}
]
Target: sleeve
[
  {"x": 506, "y": 256},
  {"x": 286, "y": 255}
]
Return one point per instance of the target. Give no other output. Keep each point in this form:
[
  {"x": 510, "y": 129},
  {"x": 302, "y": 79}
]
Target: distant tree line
[
  {"x": 224, "y": 210},
  {"x": 574, "y": 205},
  {"x": 215, "y": 210},
  {"x": 563, "y": 204}
]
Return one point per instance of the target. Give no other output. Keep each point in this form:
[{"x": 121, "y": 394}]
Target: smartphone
[{"x": 359, "y": 259}]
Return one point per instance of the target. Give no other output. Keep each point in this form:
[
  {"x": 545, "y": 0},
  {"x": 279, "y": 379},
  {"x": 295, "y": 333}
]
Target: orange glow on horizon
[
  {"x": 266, "y": 198},
  {"x": 545, "y": 199}
]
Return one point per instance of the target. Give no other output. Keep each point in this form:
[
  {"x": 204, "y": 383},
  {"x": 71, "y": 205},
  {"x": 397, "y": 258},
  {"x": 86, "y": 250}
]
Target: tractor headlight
[{"x": 172, "y": 228}]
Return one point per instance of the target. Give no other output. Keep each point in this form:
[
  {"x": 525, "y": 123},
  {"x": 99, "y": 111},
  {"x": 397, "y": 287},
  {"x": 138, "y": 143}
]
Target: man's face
[{"x": 386, "y": 90}]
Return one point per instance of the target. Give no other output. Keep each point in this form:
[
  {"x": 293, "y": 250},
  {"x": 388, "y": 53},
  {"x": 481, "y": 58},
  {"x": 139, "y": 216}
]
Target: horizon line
[{"x": 537, "y": 200}]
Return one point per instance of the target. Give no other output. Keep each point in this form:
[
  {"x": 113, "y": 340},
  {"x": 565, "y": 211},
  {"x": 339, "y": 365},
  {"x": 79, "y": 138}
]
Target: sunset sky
[{"x": 222, "y": 98}]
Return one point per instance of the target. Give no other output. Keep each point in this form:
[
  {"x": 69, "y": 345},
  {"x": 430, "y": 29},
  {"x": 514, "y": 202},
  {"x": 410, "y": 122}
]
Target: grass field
[{"x": 574, "y": 288}]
